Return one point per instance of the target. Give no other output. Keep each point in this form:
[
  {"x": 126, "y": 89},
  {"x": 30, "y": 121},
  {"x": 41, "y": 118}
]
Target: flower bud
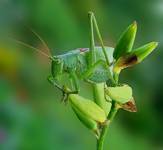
[
  {"x": 126, "y": 41},
  {"x": 134, "y": 57},
  {"x": 88, "y": 108},
  {"x": 143, "y": 51},
  {"x": 120, "y": 94},
  {"x": 89, "y": 123}
]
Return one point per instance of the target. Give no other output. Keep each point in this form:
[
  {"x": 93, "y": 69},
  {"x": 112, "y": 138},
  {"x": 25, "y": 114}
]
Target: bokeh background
[{"x": 31, "y": 115}]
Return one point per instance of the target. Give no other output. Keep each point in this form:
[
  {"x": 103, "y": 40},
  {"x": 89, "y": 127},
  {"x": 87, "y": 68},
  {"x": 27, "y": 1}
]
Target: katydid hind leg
[
  {"x": 92, "y": 53},
  {"x": 63, "y": 88},
  {"x": 100, "y": 39},
  {"x": 92, "y": 69}
]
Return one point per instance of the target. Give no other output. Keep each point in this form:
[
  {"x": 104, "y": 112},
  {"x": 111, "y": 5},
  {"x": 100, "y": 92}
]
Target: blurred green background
[{"x": 31, "y": 116}]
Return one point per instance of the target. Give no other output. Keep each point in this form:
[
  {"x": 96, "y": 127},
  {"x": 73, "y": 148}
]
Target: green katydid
[
  {"x": 89, "y": 64},
  {"x": 93, "y": 64}
]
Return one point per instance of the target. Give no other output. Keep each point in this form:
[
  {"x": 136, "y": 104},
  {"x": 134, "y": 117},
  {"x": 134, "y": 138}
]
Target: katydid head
[{"x": 56, "y": 66}]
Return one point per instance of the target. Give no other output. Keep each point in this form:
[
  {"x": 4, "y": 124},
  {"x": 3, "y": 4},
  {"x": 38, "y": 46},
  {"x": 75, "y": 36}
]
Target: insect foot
[{"x": 66, "y": 93}]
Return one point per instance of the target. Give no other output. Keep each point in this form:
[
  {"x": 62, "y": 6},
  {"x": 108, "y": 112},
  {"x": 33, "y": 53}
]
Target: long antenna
[
  {"x": 34, "y": 48},
  {"x": 42, "y": 41}
]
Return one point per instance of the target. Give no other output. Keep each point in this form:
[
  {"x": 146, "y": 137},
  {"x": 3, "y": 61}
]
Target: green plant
[{"x": 101, "y": 68}]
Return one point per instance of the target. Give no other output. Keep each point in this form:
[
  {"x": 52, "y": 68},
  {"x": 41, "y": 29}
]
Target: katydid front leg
[
  {"x": 92, "y": 53},
  {"x": 54, "y": 83},
  {"x": 63, "y": 89}
]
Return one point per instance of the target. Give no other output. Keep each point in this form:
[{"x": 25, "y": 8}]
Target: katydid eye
[{"x": 58, "y": 61}]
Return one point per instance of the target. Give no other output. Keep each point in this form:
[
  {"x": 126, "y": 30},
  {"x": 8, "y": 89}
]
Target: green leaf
[
  {"x": 126, "y": 41},
  {"x": 88, "y": 108},
  {"x": 120, "y": 94}
]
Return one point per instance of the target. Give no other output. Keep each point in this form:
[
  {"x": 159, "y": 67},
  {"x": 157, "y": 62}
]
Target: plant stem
[
  {"x": 110, "y": 117},
  {"x": 100, "y": 141}
]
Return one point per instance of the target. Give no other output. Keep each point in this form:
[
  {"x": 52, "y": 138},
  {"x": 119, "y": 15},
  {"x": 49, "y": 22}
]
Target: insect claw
[
  {"x": 65, "y": 98},
  {"x": 66, "y": 93},
  {"x": 97, "y": 133}
]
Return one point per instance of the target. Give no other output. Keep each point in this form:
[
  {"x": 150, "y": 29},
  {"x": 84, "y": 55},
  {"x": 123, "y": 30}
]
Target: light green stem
[
  {"x": 110, "y": 117},
  {"x": 100, "y": 141}
]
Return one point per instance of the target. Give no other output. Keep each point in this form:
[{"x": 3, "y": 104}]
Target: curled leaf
[{"x": 126, "y": 41}]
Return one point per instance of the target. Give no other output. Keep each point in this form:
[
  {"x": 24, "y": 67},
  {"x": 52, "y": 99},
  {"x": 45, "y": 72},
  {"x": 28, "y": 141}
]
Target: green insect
[
  {"x": 101, "y": 67},
  {"x": 95, "y": 64},
  {"x": 88, "y": 64}
]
